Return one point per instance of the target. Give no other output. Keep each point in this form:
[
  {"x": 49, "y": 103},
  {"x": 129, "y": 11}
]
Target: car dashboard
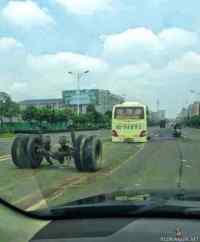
[
  {"x": 16, "y": 227},
  {"x": 119, "y": 230}
]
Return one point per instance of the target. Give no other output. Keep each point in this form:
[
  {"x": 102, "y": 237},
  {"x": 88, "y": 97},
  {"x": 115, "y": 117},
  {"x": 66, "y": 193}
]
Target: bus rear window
[{"x": 129, "y": 113}]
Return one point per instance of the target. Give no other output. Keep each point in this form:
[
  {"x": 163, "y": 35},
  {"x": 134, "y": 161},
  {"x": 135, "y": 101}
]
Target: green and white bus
[{"x": 129, "y": 122}]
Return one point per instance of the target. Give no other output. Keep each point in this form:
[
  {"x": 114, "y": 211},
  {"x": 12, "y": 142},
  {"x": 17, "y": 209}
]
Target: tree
[
  {"x": 12, "y": 110},
  {"x": 8, "y": 108},
  {"x": 108, "y": 114},
  {"x": 195, "y": 121},
  {"x": 67, "y": 114},
  {"x": 45, "y": 114},
  {"x": 30, "y": 114},
  {"x": 60, "y": 116},
  {"x": 108, "y": 118},
  {"x": 149, "y": 121},
  {"x": 91, "y": 108}
]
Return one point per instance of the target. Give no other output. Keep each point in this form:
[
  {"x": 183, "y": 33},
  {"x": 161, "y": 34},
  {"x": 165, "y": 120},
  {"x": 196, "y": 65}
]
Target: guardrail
[
  {"x": 47, "y": 131},
  {"x": 33, "y": 130}
]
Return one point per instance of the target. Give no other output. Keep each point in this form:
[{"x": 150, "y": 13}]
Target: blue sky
[{"x": 146, "y": 50}]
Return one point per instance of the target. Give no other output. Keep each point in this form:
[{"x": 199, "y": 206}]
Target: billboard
[
  {"x": 84, "y": 97},
  {"x": 80, "y": 99}
]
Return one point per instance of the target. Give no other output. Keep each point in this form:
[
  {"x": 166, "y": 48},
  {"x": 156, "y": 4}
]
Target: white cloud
[
  {"x": 178, "y": 38},
  {"x": 131, "y": 46},
  {"x": 68, "y": 61},
  {"x": 19, "y": 89},
  {"x": 85, "y": 7},
  {"x": 132, "y": 72},
  {"x": 26, "y": 14},
  {"x": 12, "y": 54},
  {"x": 141, "y": 45},
  {"x": 188, "y": 63},
  {"x": 7, "y": 43},
  {"x": 138, "y": 73},
  {"x": 48, "y": 73}
]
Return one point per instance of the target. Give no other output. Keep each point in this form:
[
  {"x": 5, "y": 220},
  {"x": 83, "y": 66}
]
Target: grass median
[{"x": 7, "y": 135}]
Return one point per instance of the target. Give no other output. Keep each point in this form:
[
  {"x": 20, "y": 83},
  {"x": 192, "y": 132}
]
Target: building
[
  {"x": 56, "y": 103},
  {"x": 103, "y": 100},
  {"x": 183, "y": 115},
  {"x": 157, "y": 116},
  {"x": 194, "y": 109},
  {"x": 189, "y": 112}
]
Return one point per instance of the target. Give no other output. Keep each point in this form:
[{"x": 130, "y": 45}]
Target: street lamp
[{"x": 78, "y": 76}]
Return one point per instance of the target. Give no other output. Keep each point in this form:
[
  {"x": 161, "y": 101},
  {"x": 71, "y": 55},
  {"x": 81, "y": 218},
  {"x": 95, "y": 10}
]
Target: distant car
[{"x": 177, "y": 130}]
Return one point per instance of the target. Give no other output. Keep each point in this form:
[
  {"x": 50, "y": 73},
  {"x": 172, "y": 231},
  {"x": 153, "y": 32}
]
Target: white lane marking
[
  {"x": 127, "y": 160},
  {"x": 5, "y": 157},
  {"x": 188, "y": 166},
  {"x": 43, "y": 202},
  {"x": 39, "y": 205}
]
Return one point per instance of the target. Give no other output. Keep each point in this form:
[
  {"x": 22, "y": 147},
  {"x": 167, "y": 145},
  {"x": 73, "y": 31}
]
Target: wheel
[
  {"x": 92, "y": 154},
  {"x": 34, "y": 156},
  {"x": 19, "y": 151},
  {"x": 78, "y": 152}
]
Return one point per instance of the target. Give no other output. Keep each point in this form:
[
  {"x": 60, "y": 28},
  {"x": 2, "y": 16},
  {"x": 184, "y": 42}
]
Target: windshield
[
  {"x": 92, "y": 98},
  {"x": 129, "y": 113}
]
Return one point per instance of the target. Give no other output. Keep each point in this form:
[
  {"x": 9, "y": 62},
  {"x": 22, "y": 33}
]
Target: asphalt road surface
[{"x": 164, "y": 162}]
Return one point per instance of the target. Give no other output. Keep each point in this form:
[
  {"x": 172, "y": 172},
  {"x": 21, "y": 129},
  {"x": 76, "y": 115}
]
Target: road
[
  {"x": 162, "y": 163},
  {"x": 5, "y": 145}
]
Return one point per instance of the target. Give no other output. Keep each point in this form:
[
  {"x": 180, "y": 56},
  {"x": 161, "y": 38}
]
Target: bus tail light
[
  {"x": 143, "y": 133},
  {"x": 114, "y": 133}
]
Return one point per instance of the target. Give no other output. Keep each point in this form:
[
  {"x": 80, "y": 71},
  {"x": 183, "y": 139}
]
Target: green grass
[{"x": 7, "y": 135}]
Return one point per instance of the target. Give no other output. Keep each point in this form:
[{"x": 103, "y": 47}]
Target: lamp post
[{"x": 78, "y": 76}]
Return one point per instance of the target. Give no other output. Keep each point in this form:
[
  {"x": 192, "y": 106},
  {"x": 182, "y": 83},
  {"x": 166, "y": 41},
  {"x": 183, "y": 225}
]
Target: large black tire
[
  {"x": 92, "y": 154},
  {"x": 78, "y": 156},
  {"x": 34, "y": 156},
  {"x": 19, "y": 151}
]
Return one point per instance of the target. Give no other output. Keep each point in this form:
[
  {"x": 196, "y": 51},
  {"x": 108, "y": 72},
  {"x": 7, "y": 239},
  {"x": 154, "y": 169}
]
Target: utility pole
[
  {"x": 158, "y": 104},
  {"x": 78, "y": 76}
]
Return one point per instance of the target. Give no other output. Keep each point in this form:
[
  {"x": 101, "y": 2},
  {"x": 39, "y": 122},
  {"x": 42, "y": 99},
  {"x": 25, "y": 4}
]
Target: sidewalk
[{"x": 5, "y": 146}]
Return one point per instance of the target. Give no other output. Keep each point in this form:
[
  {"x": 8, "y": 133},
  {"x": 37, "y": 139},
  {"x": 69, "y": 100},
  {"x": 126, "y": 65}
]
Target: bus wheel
[
  {"x": 19, "y": 151},
  {"x": 92, "y": 154}
]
